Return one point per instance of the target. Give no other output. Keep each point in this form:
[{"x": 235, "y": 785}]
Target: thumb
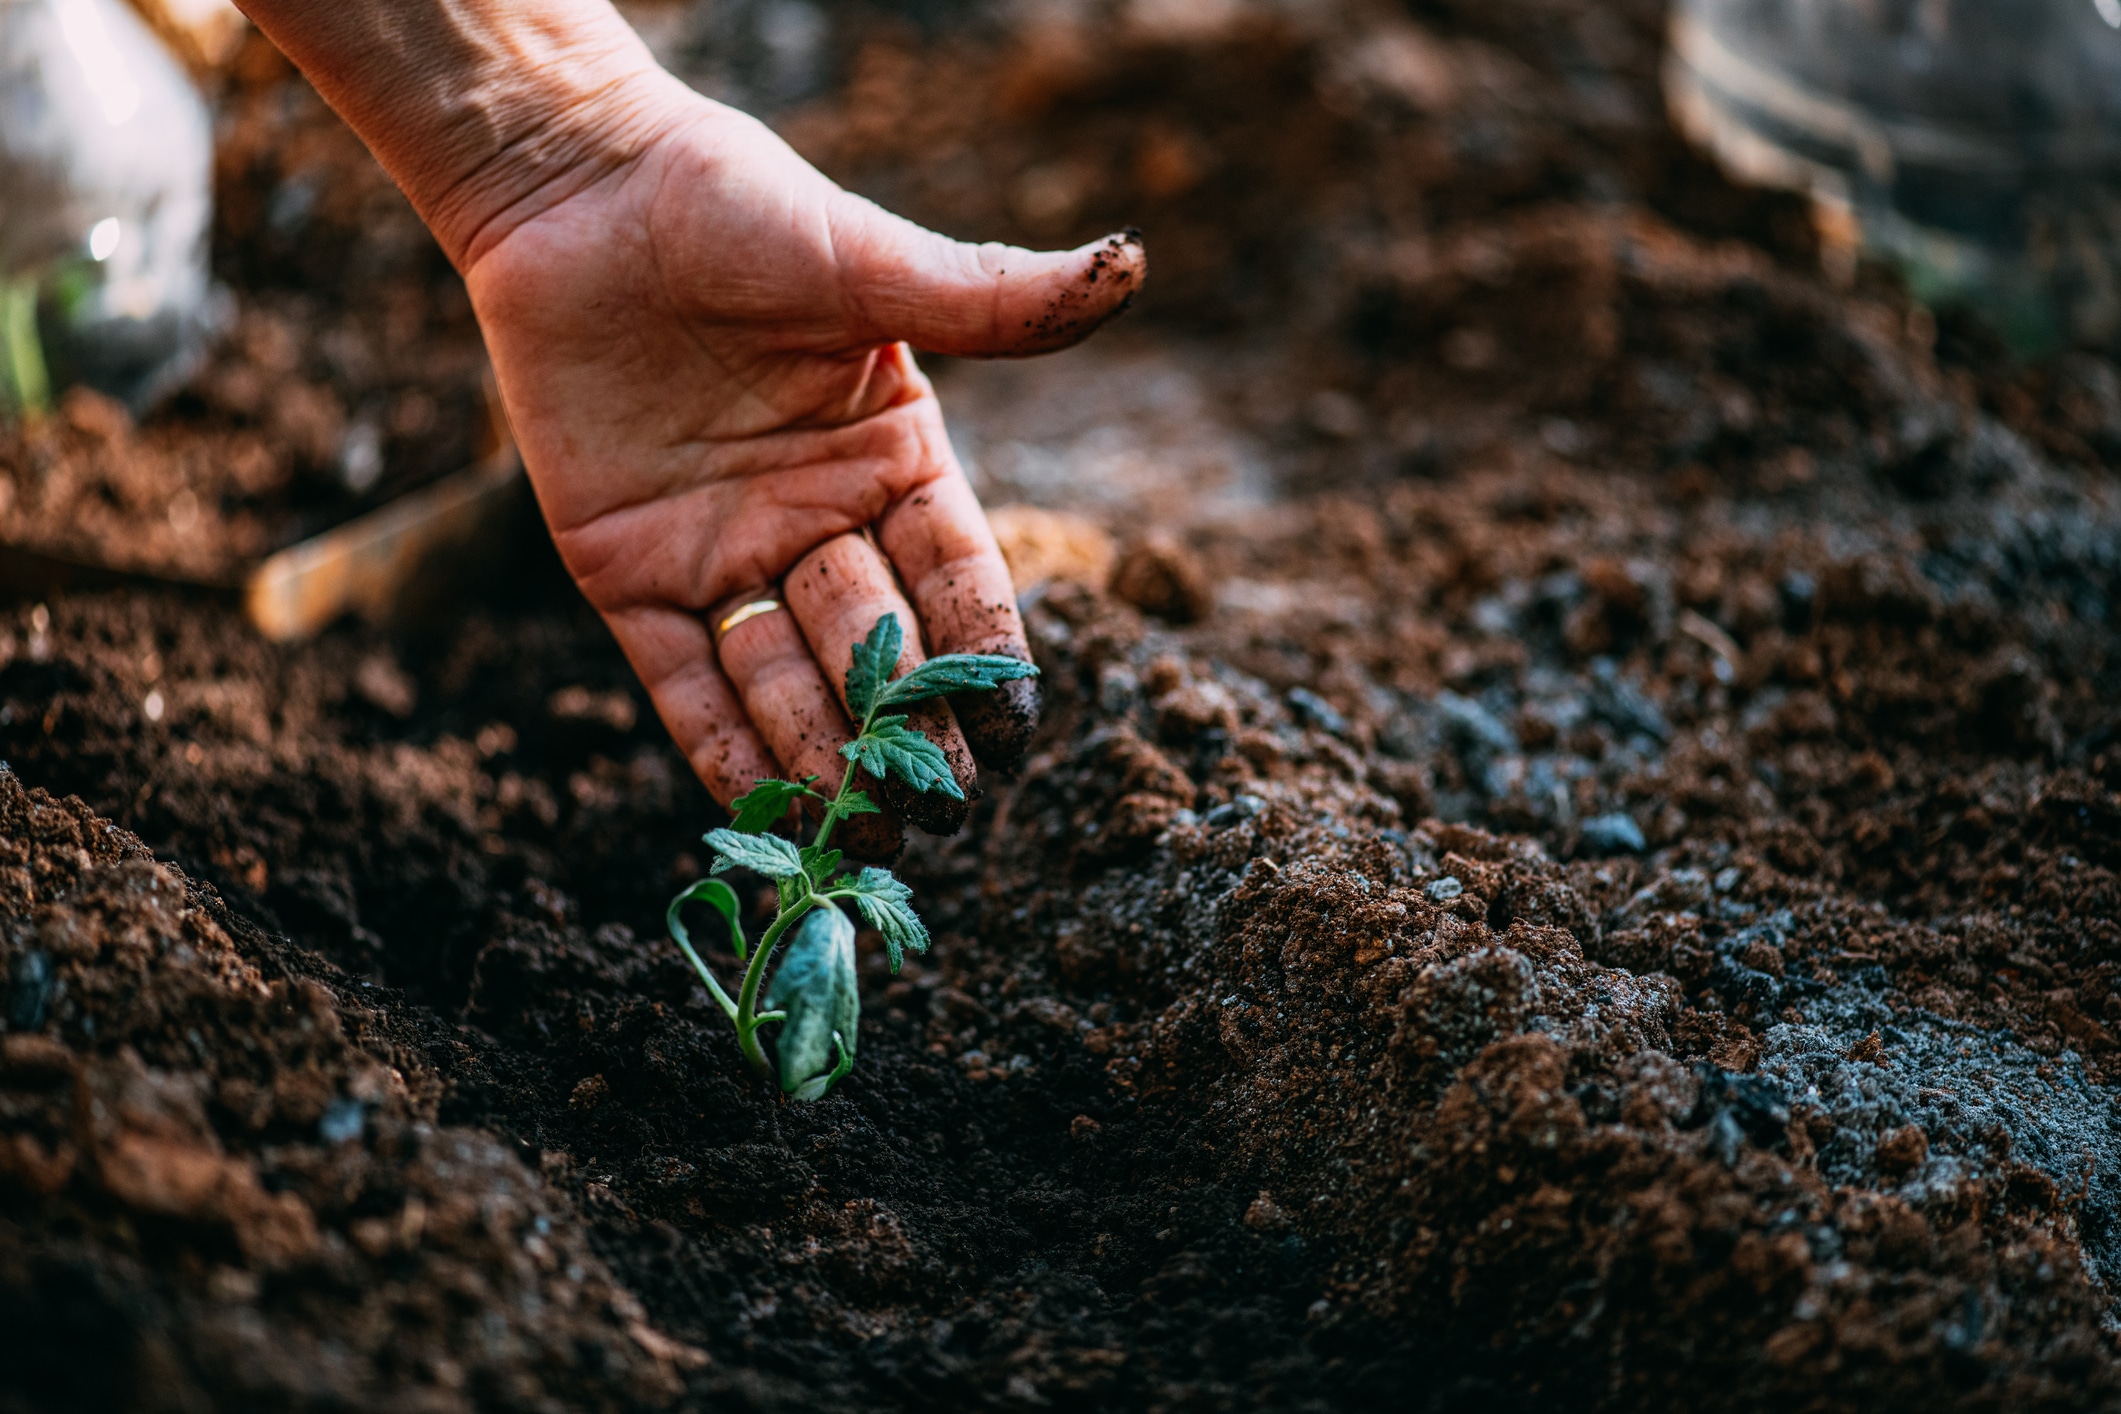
[{"x": 977, "y": 301}]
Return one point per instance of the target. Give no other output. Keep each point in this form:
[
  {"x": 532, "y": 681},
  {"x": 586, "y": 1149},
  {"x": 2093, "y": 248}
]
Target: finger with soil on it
[{"x": 838, "y": 592}]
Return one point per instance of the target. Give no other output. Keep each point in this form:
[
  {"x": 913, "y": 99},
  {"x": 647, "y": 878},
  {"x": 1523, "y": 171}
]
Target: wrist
[
  {"x": 554, "y": 140},
  {"x": 484, "y": 113}
]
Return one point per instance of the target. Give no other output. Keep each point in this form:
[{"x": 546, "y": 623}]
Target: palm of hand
[{"x": 700, "y": 352}]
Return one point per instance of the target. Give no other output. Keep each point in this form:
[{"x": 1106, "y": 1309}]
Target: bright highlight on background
[
  {"x": 108, "y": 77},
  {"x": 103, "y": 238},
  {"x": 2110, "y": 11}
]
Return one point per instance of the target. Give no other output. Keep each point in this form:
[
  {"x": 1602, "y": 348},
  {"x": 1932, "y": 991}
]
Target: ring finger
[{"x": 794, "y": 709}]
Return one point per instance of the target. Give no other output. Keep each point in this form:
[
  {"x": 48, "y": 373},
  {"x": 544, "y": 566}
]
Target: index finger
[{"x": 938, "y": 539}]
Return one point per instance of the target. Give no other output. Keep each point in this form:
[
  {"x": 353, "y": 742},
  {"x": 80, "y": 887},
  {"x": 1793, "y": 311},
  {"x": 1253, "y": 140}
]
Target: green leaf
[
  {"x": 874, "y": 659},
  {"x": 954, "y": 672},
  {"x": 883, "y": 900},
  {"x": 820, "y": 864},
  {"x": 815, "y": 985},
  {"x": 815, "y": 1089},
  {"x": 725, "y": 902},
  {"x": 889, "y": 749},
  {"x": 768, "y": 854},
  {"x": 857, "y": 802},
  {"x": 765, "y": 804}
]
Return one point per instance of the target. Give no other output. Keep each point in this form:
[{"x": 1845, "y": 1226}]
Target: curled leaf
[
  {"x": 815, "y": 986},
  {"x": 725, "y": 902},
  {"x": 815, "y": 1087}
]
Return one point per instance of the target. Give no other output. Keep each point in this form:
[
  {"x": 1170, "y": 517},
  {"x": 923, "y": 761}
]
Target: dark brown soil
[{"x": 1612, "y": 904}]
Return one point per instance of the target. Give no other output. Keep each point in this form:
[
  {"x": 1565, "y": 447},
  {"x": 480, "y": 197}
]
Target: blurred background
[{"x": 1388, "y": 240}]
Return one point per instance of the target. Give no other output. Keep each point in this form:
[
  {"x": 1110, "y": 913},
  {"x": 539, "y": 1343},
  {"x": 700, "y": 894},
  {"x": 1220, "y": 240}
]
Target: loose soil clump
[{"x": 1602, "y": 895}]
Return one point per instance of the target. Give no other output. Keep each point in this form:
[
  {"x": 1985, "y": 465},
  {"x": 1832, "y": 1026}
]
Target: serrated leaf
[
  {"x": 767, "y": 854},
  {"x": 815, "y": 985},
  {"x": 857, "y": 802},
  {"x": 884, "y": 901},
  {"x": 766, "y": 804},
  {"x": 890, "y": 749},
  {"x": 819, "y": 864},
  {"x": 954, "y": 672},
  {"x": 874, "y": 659}
]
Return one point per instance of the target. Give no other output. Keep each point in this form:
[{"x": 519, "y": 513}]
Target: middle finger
[{"x": 838, "y": 592}]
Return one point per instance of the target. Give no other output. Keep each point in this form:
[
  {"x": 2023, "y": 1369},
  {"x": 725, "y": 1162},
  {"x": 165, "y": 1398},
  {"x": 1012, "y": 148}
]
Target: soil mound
[{"x": 222, "y": 1193}]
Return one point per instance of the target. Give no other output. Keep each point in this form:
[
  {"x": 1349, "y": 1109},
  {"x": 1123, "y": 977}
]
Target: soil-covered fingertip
[
  {"x": 932, "y": 812},
  {"x": 999, "y": 724},
  {"x": 1104, "y": 288},
  {"x": 875, "y": 838}
]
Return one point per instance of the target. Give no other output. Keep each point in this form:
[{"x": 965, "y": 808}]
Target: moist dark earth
[{"x": 1602, "y": 895}]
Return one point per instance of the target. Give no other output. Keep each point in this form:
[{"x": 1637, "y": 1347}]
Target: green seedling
[
  {"x": 813, "y": 993},
  {"x": 24, "y": 383}
]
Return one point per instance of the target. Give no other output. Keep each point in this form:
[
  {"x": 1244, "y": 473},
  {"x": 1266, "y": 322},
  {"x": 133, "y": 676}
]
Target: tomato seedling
[{"x": 813, "y": 993}]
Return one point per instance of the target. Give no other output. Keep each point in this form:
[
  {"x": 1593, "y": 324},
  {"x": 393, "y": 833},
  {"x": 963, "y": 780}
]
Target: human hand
[{"x": 704, "y": 353}]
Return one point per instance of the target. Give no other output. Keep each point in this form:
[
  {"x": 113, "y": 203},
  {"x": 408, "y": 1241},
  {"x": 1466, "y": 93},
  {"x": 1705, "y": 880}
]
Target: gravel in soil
[{"x": 1603, "y": 896}]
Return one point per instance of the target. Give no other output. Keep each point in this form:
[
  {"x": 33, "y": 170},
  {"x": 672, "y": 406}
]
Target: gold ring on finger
[{"x": 744, "y": 614}]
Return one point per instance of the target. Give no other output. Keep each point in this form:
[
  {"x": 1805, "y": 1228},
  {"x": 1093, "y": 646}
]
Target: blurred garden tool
[
  {"x": 106, "y": 159},
  {"x": 393, "y": 566},
  {"x": 400, "y": 563},
  {"x": 106, "y": 166},
  {"x": 1974, "y": 144}
]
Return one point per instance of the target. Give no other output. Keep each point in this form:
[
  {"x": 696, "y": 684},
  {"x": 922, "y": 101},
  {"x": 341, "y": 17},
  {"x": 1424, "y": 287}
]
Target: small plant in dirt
[{"x": 813, "y": 995}]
